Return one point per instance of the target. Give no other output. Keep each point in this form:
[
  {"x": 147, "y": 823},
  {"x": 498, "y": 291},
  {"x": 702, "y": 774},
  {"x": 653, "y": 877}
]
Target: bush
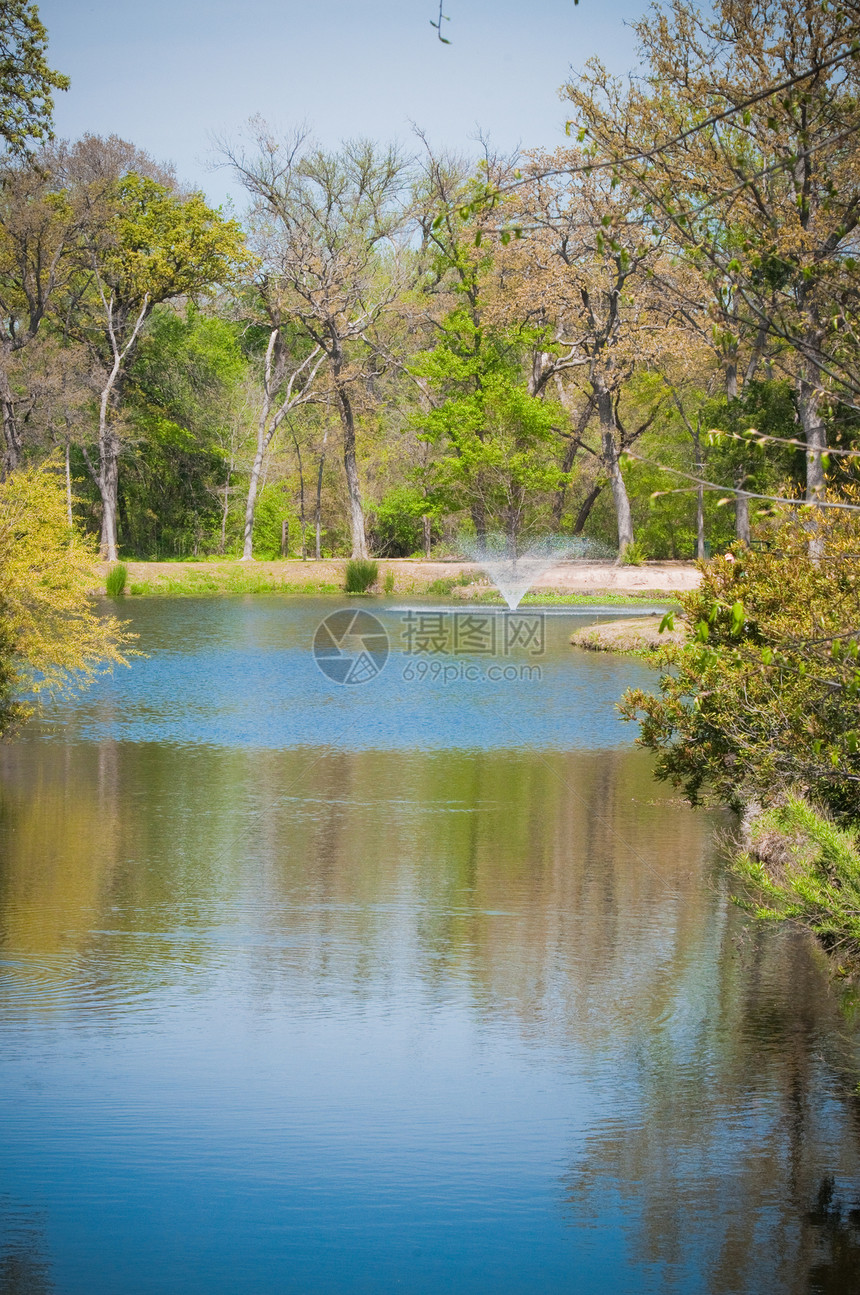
[
  {"x": 361, "y": 573},
  {"x": 51, "y": 638},
  {"x": 633, "y": 556},
  {"x": 763, "y": 697},
  {"x": 388, "y": 583},
  {"x": 397, "y": 529},
  {"x": 116, "y": 580}
]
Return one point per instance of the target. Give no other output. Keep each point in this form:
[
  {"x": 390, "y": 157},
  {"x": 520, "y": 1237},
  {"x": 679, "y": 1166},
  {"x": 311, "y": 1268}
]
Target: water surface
[{"x": 412, "y": 985}]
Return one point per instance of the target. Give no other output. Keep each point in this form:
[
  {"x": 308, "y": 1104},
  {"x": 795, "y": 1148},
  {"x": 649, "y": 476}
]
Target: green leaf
[{"x": 668, "y": 622}]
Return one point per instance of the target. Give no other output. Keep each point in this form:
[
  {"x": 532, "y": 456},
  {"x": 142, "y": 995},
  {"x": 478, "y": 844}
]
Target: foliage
[
  {"x": 495, "y": 440},
  {"x": 274, "y": 506},
  {"x": 764, "y": 696},
  {"x": 445, "y": 584},
  {"x": 163, "y": 245},
  {"x": 360, "y": 574},
  {"x": 396, "y": 529},
  {"x": 52, "y": 638},
  {"x": 115, "y": 580},
  {"x": 634, "y": 555},
  {"x": 801, "y": 866},
  {"x": 26, "y": 80}
]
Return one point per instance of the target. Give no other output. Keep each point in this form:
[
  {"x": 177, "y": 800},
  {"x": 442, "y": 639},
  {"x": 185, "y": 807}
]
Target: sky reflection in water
[{"x": 406, "y": 986}]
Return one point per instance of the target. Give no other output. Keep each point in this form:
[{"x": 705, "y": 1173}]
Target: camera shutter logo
[{"x": 351, "y": 647}]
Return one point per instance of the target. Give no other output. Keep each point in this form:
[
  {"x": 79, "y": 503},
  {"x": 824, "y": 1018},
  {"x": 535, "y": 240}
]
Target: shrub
[
  {"x": 52, "y": 640},
  {"x": 388, "y": 583},
  {"x": 361, "y": 573},
  {"x": 633, "y": 556},
  {"x": 116, "y": 580},
  {"x": 763, "y": 698},
  {"x": 396, "y": 528}
]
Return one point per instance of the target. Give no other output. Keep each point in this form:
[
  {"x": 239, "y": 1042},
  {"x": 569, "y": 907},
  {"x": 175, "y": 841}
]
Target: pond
[{"x": 415, "y": 983}]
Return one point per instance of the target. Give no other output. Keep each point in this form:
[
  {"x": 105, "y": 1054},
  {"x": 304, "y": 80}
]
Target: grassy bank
[
  {"x": 326, "y": 579},
  {"x": 799, "y": 866},
  {"x": 639, "y": 636}
]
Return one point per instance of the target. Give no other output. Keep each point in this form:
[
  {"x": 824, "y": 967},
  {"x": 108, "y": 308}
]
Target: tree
[
  {"x": 143, "y": 244},
  {"x": 185, "y": 405},
  {"x": 739, "y": 140},
  {"x": 26, "y": 80},
  {"x": 495, "y": 441},
  {"x": 52, "y": 639},
  {"x": 39, "y": 232},
  {"x": 340, "y": 220},
  {"x": 291, "y": 361},
  {"x": 586, "y": 274}
]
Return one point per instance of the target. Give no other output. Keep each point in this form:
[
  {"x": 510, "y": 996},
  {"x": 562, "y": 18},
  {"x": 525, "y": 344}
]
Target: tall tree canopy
[{"x": 26, "y": 80}]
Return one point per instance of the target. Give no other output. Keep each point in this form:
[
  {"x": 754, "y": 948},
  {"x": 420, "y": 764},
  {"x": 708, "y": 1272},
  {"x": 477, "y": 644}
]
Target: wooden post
[{"x": 285, "y": 537}]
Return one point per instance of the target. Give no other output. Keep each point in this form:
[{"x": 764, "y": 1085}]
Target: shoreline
[{"x": 578, "y": 582}]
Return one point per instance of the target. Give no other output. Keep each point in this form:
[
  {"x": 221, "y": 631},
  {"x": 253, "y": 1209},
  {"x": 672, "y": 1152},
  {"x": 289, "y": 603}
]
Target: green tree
[
  {"x": 145, "y": 245},
  {"x": 496, "y": 443},
  {"x": 26, "y": 80},
  {"x": 184, "y": 402}
]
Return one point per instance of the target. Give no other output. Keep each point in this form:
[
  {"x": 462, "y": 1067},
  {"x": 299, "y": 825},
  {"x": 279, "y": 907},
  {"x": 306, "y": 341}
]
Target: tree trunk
[
  {"x": 318, "y": 517},
  {"x": 512, "y": 529},
  {"x": 356, "y": 509},
  {"x": 108, "y": 484},
  {"x": 69, "y": 485},
  {"x": 700, "y": 496},
  {"x": 608, "y": 435},
  {"x": 225, "y": 510},
  {"x": 586, "y": 507},
  {"x": 742, "y": 516},
  {"x": 479, "y": 518},
  {"x": 731, "y": 378},
  {"x": 11, "y": 435},
  {"x": 302, "y": 523},
  {"x": 425, "y": 523},
  {"x": 251, "y": 504},
  {"x": 809, "y": 408},
  {"x": 561, "y": 493}
]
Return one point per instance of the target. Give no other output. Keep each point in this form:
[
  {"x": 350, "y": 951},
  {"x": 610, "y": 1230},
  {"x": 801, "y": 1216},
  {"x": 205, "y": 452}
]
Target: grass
[
  {"x": 609, "y": 598},
  {"x": 116, "y": 580},
  {"x": 359, "y": 575},
  {"x": 800, "y": 866},
  {"x": 196, "y": 585},
  {"x": 446, "y": 584}
]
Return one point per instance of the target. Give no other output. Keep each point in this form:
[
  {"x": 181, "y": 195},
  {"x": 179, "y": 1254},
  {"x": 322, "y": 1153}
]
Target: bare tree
[{"x": 339, "y": 219}]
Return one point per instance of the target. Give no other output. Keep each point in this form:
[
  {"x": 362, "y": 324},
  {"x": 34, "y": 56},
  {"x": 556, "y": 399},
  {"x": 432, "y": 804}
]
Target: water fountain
[{"x": 514, "y": 575}]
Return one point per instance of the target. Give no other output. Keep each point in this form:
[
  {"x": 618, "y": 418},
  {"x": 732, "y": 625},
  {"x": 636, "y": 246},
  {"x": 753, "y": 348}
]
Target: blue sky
[{"x": 169, "y": 74}]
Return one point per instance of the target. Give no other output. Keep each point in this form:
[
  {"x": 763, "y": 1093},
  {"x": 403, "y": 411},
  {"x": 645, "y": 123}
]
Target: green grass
[
  {"x": 802, "y": 867},
  {"x": 199, "y": 585},
  {"x": 116, "y": 580},
  {"x": 359, "y": 575},
  {"x": 446, "y": 584},
  {"x": 492, "y": 597}
]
